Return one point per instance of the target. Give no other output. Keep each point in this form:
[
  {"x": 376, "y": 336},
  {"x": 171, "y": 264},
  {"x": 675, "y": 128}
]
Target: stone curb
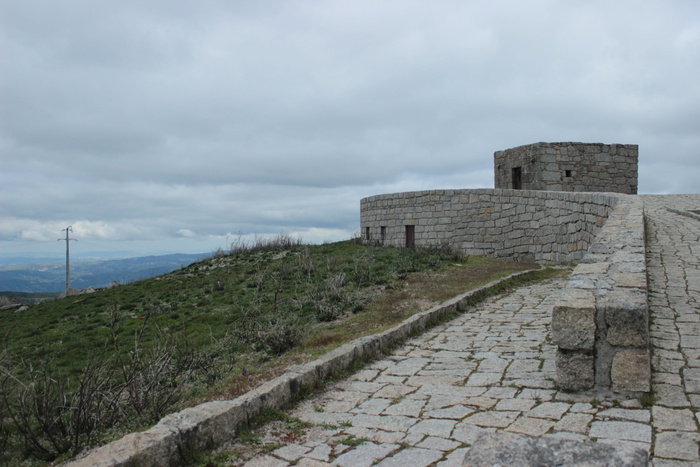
[
  {"x": 689, "y": 214},
  {"x": 601, "y": 321},
  {"x": 210, "y": 424}
]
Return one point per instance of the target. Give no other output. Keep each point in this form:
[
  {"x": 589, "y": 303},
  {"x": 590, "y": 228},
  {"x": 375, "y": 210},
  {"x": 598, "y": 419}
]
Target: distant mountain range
[{"x": 51, "y": 277}]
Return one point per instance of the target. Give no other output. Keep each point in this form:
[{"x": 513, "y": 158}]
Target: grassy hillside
[{"x": 82, "y": 370}]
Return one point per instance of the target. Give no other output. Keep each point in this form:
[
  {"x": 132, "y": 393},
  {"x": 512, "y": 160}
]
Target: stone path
[
  {"x": 673, "y": 259},
  {"x": 492, "y": 369}
]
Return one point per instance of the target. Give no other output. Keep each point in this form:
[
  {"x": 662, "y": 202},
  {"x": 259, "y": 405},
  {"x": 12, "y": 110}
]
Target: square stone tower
[{"x": 568, "y": 167}]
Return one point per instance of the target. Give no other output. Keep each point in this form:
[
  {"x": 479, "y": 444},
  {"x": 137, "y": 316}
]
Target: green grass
[
  {"x": 236, "y": 319},
  {"x": 353, "y": 441},
  {"x": 648, "y": 399}
]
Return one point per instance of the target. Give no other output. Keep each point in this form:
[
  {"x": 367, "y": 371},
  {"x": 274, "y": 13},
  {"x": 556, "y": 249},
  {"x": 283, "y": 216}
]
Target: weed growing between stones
[
  {"x": 353, "y": 441},
  {"x": 648, "y": 399}
]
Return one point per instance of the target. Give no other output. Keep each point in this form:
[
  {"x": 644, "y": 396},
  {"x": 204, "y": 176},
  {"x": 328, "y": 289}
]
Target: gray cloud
[{"x": 166, "y": 120}]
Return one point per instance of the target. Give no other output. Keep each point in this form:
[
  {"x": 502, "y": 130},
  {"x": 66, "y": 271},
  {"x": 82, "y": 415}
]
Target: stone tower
[{"x": 568, "y": 167}]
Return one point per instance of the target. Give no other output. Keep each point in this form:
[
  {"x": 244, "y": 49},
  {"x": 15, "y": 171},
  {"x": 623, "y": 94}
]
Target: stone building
[
  {"x": 568, "y": 167},
  {"x": 549, "y": 202},
  {"x": 553, "y": 203}
]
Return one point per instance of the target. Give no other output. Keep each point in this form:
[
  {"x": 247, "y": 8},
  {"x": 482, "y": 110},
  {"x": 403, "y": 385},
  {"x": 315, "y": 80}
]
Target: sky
[{"x": 161, "y": 126}]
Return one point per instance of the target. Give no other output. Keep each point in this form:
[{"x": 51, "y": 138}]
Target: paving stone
[
  {"x": 574, "y": 422},
  {"x": 467, "y": 434},
  {"x": 454, "y": 459},
  {"x": 325, "y": 418},
  {"x": 266, "y": 461},
  {"x": 538, "y": 394},
  {"x": 412, "y": 439},
  {"x": 291, "y": 452},
  {"x": 677, "y": 445},
  {"x": 337, "y": 406},
  {"x": 416, "y": 457},
  {"x": 439, "y": 401},
  {"x": 439, "y": 444},
  {"x": 384, "y": 422},
  {"x": 658, "y": 462},
  {"x": 342, "y": 395},
  {"x": 673, "y": 419},
  {"x": 553, "y": 410},
  {"x": 373, "y": 406},
  {"x": 375, "y": 435},
  {"x": 484, "y": 379},
  {"x": 481, "y": 402},
  {"x": 641, "y": 416},
  {"x": 407, "y": 367},
  {"x": 521, "y": 405},
  {"x": 691, "y": 376},
  {"x": 365, "y": 375},
  {"x": 361, "y": 386},
  {"x": 584, "y": 407},
  {"x": 456, "y": 412},
  {"x": 390, "y": 379},
  {"x": 667, "y": 378},
  {"x": 501, "y": 392},
  {"x": 434, "y": 427},
  {"x": 621, "y": 431},
  {"x": 531, "y": 426},
  {"x": 496, "y": 419},
  {"x": 671, "y": 396},
  {"x": 306, "y": 462},
  {"x": 445, "y": 380},
  {"x": 322, "y": 452},
  {"x": 365, "y": 455},
  {"x": 455, "y": 391},
  {"x": 408, "y": 407}
]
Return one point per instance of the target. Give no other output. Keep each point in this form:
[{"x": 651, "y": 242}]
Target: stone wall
[
  {"x": 524, "y": 225},
  {"x": 600, "y": 324},
  {"x": 601, "y": 321},
  {"x": 579, "y": 167}
]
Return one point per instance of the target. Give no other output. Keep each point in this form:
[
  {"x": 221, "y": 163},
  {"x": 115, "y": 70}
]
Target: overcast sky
[{"x": 157, "y": 126}]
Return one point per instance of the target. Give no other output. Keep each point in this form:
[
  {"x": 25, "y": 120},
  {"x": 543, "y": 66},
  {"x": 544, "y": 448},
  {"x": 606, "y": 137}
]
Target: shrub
[{"x": 55, "y": 413}]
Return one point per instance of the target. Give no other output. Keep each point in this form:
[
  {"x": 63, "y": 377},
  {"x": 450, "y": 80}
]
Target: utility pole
[{"x": 67, "y": 230}]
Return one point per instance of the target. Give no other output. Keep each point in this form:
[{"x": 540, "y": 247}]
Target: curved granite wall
[{"x": 541, "y": 226}]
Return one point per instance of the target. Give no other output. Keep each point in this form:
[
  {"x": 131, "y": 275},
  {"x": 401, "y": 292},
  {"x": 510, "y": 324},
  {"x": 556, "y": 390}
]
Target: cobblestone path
[
  {"x": 492, "y": 369},
  {"x": 673, "y": 259}
]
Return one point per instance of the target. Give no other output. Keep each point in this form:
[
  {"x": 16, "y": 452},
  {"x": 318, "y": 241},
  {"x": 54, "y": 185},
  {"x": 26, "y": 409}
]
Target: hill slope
[{"x": 121, "y": 358}]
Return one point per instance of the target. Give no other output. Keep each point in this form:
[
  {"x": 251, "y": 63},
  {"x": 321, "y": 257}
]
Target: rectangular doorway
[
  {"x": 410, "y": 236},
  {"x": 517, "y": 173}
]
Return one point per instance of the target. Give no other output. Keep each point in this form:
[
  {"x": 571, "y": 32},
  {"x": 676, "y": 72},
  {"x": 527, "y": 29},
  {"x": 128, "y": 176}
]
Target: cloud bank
[{"x": 178, "y": 124}]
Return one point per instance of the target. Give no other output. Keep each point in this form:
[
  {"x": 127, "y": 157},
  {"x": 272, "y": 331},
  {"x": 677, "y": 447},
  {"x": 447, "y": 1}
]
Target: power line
[{"x": 67, "y": 230}]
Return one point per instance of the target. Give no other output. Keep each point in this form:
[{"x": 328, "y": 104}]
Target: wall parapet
[
  {"x": 601, "y": 321},
  {"x": 526, "y": 225}
]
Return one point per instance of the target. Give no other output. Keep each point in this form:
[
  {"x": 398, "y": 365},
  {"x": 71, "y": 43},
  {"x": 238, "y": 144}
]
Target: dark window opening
[
  {"x": 382, "y": 233},
  {"x": 410, "y": 236},
  {"x": 567, "y": 173},
  {"x": 517, "y": 173},
  {"x": 367, "y": 233}
]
